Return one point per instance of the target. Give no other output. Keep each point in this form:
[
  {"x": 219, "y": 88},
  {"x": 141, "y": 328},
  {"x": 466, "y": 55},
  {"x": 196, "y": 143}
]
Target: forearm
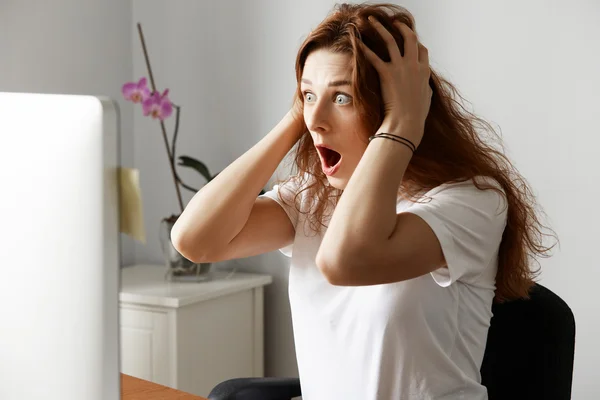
[
  {"x": 219, "y": 211},
  {"x": 366, "y": 212}
]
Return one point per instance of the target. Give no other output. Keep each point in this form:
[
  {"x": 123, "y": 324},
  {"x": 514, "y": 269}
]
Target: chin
[{"x": 337, "y": 182}]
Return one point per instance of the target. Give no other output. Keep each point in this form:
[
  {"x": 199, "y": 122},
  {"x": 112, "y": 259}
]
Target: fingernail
[{"x": 371, "y": 19}]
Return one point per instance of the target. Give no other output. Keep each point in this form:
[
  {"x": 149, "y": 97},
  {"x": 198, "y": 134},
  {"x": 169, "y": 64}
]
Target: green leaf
[{"x": 198, "y": 165}]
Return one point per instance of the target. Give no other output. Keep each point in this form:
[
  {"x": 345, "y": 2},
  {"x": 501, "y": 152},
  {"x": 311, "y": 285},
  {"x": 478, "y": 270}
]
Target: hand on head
[{"x": 404, "y": 81}]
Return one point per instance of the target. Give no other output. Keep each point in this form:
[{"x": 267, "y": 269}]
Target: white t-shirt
[{"x": 423, "y": 338}]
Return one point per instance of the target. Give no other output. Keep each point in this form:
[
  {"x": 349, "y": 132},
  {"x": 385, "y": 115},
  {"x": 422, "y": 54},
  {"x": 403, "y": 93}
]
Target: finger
[
  {"x": 373, "y": 58},
  {"x": 410, "y": 40},
  {"x": 390, "y": 42}
]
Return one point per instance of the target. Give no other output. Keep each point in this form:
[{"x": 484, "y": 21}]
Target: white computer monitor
[{"x": 59, "y": 247}]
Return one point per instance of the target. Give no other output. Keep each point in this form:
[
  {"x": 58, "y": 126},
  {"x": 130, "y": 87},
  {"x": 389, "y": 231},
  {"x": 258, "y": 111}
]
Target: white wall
[{"x": 71, "y": 47}]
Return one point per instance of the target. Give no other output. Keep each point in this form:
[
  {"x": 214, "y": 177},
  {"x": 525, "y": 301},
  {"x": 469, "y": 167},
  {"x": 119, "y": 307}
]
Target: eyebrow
[{"x": 332, "y": 83}]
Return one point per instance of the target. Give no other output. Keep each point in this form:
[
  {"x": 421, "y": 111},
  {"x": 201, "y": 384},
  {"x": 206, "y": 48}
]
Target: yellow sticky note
[{"x": 130, "y": 201}]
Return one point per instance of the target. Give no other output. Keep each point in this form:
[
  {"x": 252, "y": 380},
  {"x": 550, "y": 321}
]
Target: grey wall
[{"x": 70, "y": 47}]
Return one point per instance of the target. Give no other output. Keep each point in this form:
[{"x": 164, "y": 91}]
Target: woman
[{"x": 403, "y": 225}]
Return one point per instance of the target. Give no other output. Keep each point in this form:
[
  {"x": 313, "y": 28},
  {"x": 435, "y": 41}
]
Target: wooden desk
[{"x": 138, "y": 389}]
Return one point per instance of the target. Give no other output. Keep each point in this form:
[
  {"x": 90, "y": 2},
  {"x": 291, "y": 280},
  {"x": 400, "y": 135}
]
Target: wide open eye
[
  {"x": 341, "y": 98},
  {"x": 308, "y": 96}
]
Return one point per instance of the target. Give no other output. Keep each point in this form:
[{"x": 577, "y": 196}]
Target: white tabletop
[{"x": 145, "y": 284}]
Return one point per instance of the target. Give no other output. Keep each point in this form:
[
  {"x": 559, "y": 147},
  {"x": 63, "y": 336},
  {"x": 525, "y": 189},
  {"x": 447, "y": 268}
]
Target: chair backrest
[{"x": 530, "y": 348}]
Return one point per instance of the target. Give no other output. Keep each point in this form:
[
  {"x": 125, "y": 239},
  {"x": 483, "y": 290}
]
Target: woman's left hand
[{"x": 404, "y": 82}]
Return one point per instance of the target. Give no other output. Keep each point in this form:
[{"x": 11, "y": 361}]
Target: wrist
[
  {"x": 406, "y": 129},
  {"x": 292, "y": 125}
]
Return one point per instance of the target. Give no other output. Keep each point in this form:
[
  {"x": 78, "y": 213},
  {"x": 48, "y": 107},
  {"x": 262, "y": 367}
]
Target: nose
[{"x": 317, "y": 116}]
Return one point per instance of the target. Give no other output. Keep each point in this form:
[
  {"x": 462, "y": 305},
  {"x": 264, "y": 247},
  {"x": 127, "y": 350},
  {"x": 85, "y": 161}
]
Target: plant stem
[
  {"x": 162, "y": 124},
  {"x": 173, "y": 144}
]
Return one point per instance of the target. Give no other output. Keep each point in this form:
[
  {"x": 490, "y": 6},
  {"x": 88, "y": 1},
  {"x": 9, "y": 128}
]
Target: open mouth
[{"x": 330, "y": 159}]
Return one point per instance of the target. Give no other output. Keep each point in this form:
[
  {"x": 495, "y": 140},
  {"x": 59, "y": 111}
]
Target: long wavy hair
[{"x": 452, "y": 149}]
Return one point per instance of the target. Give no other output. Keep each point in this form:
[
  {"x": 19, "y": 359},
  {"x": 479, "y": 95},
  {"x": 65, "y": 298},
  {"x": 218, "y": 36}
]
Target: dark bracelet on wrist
[{"x": 396, "y": 138}]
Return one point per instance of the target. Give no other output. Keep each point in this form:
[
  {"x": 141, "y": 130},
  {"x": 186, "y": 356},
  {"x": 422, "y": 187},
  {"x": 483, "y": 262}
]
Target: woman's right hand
[
  {"x": 297, "y": 109},
  {"x": 296, "y": 114}
]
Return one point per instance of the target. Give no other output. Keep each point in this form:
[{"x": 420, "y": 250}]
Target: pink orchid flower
[
  {"x": 136, "y": 92},
  {"x": 158, "y": 105}
]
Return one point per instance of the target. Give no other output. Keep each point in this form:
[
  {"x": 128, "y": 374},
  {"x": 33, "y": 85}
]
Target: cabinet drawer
[{"x": 144, "y": 344}]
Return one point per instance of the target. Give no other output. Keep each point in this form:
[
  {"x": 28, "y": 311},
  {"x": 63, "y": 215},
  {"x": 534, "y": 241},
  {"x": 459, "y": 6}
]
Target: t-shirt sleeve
[
  {"x": 468, "y": 223},
  {"x": 288, "y": 191}
]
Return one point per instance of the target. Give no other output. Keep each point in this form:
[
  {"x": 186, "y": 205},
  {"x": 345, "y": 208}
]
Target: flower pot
[{"x": 179, "y": 268}]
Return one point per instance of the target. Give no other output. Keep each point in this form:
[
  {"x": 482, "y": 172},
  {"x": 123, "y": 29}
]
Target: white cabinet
[{"x": 191, "y": 336}]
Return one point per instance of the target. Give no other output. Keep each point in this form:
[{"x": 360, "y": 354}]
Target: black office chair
[{"x": 529, "y": 355}]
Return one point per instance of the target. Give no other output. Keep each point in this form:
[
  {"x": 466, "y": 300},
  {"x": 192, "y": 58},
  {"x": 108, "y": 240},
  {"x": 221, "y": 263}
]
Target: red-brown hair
[{"x": 452, "y": 149}]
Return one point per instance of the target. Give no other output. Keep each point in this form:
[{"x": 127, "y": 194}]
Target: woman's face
[{"x": 331, "y": 115}]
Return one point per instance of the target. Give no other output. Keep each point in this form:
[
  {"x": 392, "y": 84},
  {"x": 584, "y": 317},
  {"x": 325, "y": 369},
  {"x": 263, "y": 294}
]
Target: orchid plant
[{"x": 158, "y": 106}]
